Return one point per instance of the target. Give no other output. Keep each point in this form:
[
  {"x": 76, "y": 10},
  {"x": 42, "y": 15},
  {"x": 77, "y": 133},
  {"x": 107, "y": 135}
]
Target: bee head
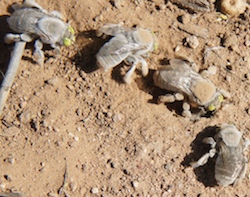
[
  {"x": 216, "y": 103},
  {"x": 229, "y": 134},
  {"x": 69, "y": 36}
]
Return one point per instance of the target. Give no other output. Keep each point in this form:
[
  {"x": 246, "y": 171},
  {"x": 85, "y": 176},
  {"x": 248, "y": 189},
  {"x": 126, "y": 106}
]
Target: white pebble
[
  {"x": 212, "y": 70},
  {"x": 76, "y": 139},
  {"x": 186, "y": 18},
  {"x": 135, "y": 184},
  {"x": 192, "y": 42},
  {"x": 177, "y": 48},
  {"x": 117, "y": 117},
  {"x": 94, "y": 190}
]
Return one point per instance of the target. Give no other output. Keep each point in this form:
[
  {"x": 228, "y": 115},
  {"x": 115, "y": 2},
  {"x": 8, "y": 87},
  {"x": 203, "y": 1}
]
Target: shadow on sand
[{"x": 205, "y": 173}]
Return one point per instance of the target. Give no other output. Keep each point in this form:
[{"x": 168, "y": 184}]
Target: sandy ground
[{"x": 113, "y": 139}]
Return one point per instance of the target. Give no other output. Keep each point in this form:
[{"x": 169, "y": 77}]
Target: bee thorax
[{"x": 203, "y": 90}]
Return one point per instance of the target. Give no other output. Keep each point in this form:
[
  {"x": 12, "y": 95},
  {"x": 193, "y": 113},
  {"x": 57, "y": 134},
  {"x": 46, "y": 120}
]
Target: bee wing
[
  {"x": 111, "y": 30},
  {"x": 180, "y": 65},
  {"x": 175, "y": 77},
  {"x": 230, "y": 161},
  {"x": 127, "y": 48},
  {"x": 111, "y": 54}
]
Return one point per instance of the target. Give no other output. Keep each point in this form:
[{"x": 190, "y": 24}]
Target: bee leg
[
  {"x": 32, "y": 3},
  {"x": 38, "y": 53},
  {"x": 9, "y": 38},
  {"x": 209, "y": 140},
  {"x": 127, "y": 78},
  {"x": 57, "y": 48},
  {"x": 144, "y": 66},
  {"x": 132, "y": 60},
  {"x": 167, "y": 98},
  {"x": 186, "y": 109},
  {"x": 110, "y": 29},
  {"x": 246, "y": 144},
  {"x": 56, "y": 14},
  {"x": 204, "y": 159}
]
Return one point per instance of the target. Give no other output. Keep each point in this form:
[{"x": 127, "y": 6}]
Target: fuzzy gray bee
[
  {"x": 33, "y": 22},
  {"x": 181, "y": 79},
  {"x": 231, "y": 163},
  {"x": 129, "y": 45}
]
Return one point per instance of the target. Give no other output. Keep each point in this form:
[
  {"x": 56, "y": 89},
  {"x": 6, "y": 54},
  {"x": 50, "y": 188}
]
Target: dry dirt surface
[{"x": 113, "y": 139}]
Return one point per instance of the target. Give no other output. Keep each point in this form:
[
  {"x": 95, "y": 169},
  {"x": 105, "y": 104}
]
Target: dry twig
[{"x": 11, "y": 73}]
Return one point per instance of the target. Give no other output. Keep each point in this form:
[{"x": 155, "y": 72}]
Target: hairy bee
[
  {"x": 231, "y": 163},
  {"x": 181, "y": 79},
  {"x": 128, "y": 44},
  {"x": 33, "y": 22}
]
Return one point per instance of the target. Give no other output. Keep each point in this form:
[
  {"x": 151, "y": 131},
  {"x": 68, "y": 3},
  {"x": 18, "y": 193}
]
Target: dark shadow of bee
[
  {"x": 90, "y": 44},
  {"x": 4, "y": 48},
  {"x": 205, "y": 174}
]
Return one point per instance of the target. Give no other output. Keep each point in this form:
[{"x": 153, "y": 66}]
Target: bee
[
  {"x": 127, "y": 44},
  {"x": 33, "y": 22},
  {"x": 231, "y": 163},
  {"x": 187, "y": 84}
]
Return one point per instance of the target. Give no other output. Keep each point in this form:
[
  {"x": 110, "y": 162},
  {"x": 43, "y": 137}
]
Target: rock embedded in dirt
[
  {"x": 25, "y": 117},
  {"x": 135, "y": 184},
  {"x": 94, "y": 190},
  {"x": 233, "y": 7},
  {"x": 192, "y": 42},
  {"x": 185, "y": 18},
  {"x": 52, "y": 81}
]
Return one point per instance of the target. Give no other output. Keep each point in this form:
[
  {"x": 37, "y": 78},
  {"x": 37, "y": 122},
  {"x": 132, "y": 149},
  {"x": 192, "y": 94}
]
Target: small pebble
[
  {"x": 94, "y": 190},
  {"x": 135, "y": 184},
  {"x": 23, "y": 104},
  {"x": 162, "y": 7},
  {"x": 10, "y": 160},
  {"x": 70, "y": 87},
  {"x": 52, "y": 194},
  {"x": 76, "y": 138},
  {"x": 73, "y": 186},
  {"x": 25, "y": 117},
  {"x": 192, "y": 42},
  {"x": 117, "y": 117},
  {"x": 8, "y": 177},
  {"x": 229, "y": 79},
  {"x": 212, "y": 70},
  {"x": 165, "y": 194},
  {"x": 109, "y": 114},
  {"x": 185, "y": 19},
  {"x": 52, "y": 81},
  {"x": 11, "y": 131},
  {"x": 177, "y": 48}
]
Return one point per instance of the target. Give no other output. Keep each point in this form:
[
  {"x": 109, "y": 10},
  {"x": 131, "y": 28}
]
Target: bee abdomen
[
  {"x": 224, "y": 176},
  {"x": 109, "y": 60}
]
